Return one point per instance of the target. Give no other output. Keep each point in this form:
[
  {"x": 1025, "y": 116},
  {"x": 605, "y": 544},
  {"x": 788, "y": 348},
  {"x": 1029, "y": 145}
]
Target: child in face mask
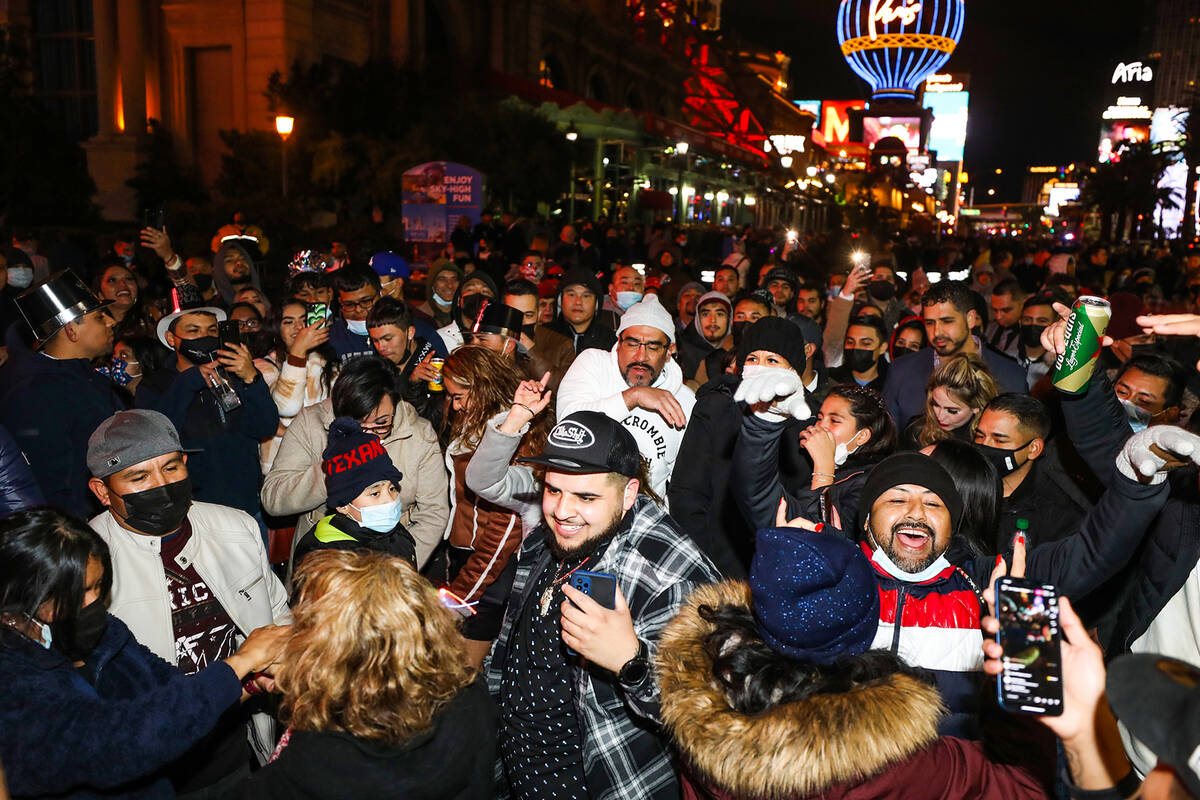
[{"x": 362, "y": 485}]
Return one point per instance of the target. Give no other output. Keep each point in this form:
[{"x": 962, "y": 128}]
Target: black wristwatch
[{"x": 637, "y": 668}]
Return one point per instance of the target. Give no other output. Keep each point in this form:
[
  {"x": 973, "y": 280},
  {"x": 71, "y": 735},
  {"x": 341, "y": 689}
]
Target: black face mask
[
  {"x": 881, "y": 290},
  {"x": 1005, "y": 461},
  {"x": 77, "y": 638},
  {"x": 203, "y": 282},
  {"x": 1031, "y": 335},
  {"x": 860, "y": 360},
  {"x": 201, "y": 350},
  {"x": 738, "y": 329},
  {"x": 160, "y": 510}
]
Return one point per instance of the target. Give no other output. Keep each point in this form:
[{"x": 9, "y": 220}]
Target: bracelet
[
  {"x": 824, "y": 475},
  {"x": 527, "y": 408}
]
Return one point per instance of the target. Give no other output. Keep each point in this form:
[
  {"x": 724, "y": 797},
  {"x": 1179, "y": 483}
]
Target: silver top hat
[{"x": 50, "y": 305}]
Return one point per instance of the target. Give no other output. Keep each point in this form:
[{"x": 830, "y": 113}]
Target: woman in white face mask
[{"x": 853, "y": 431}]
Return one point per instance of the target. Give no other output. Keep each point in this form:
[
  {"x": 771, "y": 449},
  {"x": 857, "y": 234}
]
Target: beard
[
  {"x": 587, "y": 547},
  {"x": 645, "y": 377},
  {"x": 906, "y": 562}
]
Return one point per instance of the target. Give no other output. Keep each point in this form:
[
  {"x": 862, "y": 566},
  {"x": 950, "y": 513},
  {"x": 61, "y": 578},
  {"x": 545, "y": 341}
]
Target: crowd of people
[{"x": 593, "y": 512}]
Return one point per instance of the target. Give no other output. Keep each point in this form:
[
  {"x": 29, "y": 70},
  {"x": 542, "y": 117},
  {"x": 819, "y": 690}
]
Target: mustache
[
  {"x": 641, "y": 364},
  {"x": 912, "y": 523}
]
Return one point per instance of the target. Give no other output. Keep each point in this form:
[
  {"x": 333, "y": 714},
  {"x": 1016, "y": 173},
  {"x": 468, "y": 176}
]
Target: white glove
[
  {"x": 1138, "y": 462},
  {"x": 776, "y": 385}
]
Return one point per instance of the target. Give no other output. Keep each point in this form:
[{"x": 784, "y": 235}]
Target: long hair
[
  {"x": 965, "y": 377},
  {"x": 978, "y": 484},
  {"x": 870, "y": 412},
  {"x": 492, "y": 380},
  {"x": 755, "y": 678},
  {"x": 374, "y": 653},
  {"x": 44, "y": 555},
  {"x": 279, "y": 350}
]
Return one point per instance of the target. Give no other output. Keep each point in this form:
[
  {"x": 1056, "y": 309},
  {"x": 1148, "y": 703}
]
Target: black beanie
[
  {"x": 579, "y": 276},
  {"x": 775, "y": 335},
  {"x": 352, "y": 461},
  {"x": 914, "y": 468}
]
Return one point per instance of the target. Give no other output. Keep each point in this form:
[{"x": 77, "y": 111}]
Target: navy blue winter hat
[
  {"x": 352, "y": 461},
  {"x": 814, "y": 595}
]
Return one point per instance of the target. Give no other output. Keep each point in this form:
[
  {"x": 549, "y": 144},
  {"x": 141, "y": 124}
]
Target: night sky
[{"x": 1038, "y": 71}]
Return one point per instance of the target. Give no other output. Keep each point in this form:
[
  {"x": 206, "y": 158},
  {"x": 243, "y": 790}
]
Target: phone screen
[
  {"x": 315, "y": 313},
  {"x": 1031, "y": 681},
  {"x": 229, "y": 333}
]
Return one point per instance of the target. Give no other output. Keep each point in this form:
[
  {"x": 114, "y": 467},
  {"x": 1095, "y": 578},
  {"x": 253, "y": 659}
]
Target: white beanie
[{"x": 649, "y": 312}]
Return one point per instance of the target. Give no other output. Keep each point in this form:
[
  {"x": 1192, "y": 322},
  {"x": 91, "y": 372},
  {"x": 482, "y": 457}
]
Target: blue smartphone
[{"x": 600, "y": 586}]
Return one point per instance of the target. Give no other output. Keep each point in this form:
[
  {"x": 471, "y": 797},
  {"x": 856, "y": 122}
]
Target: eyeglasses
[
  {"x": 249, "y": 325},
  {"x": 379, "y": 426},
  {"x": 359, "y": 305},
  {"x": 633, "y": 345}
]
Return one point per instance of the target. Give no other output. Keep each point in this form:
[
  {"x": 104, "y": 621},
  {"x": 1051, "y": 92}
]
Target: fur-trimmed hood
[{"x": 793, "y": 750}]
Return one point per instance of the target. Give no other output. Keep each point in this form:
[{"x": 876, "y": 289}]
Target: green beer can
[{"x": 1085, "y": 331}]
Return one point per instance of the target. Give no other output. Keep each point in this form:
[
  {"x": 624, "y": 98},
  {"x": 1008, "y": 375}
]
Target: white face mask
[
  {"x": 842, "y": 451},
  {"x": 358, "y": 326},
  {"x": 20, "y": 277},
  {"x": 380, "y": 519},
  {"x": 892, "y": 568}
]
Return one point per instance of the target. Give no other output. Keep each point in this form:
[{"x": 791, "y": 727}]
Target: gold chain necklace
[{"x": 548, "y": 594}]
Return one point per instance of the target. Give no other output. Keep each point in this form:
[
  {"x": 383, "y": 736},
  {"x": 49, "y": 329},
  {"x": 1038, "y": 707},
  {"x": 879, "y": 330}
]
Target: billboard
[
  {"x": 948, "y": 133},
  {"x": 835, "y": 120},
  {"x": 906, "y": 129},
  {"x": 1114, "y": 134},
  {"x": 435, "y": 195},
  {"x": 811, "y": 106}
]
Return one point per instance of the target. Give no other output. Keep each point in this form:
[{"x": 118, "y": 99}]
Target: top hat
[
  {"x": 50, "y": 305},
  {"x": 498, "y": 318}
]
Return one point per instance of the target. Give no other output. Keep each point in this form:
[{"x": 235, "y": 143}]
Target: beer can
[
  {"x": 436, "y": 364},
  {"x": 1085, "y": 331}
]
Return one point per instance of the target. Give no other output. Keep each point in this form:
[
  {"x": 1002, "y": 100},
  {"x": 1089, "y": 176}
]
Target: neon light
[
  {"x": 894, "y": 45},
  {"x": 889, "y": 13}
]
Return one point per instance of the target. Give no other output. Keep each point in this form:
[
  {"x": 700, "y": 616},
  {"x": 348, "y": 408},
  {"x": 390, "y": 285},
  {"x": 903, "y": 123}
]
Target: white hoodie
[{"x": 594, "y": 383}]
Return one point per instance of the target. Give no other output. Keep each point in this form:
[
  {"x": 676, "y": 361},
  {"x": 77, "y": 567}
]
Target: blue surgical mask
[
  {"x": 380, "y": 519},
  {"x": 440, "y": 302},
  {"x": 358, "y": 326},
  {"x": 118, "y": 372},
  {"x": 1139, "y": 418},
  {"x": 626, "y": 300},
  {"x": 893, "y": 569}
]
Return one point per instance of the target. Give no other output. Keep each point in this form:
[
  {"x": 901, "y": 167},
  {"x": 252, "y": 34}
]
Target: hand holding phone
[
  {"x": 316, "y": 312},
  {"x": 229, "y": 333}
]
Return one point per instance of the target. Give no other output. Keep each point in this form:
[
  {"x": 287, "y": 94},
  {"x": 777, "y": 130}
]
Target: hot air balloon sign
[{"x": 895, "y": 44}]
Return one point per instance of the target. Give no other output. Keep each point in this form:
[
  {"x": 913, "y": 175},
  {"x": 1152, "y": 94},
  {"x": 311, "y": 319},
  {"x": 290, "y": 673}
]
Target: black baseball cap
[
  {"x": 1158, "y": 700},
  {"x": 587, "y": 442}
]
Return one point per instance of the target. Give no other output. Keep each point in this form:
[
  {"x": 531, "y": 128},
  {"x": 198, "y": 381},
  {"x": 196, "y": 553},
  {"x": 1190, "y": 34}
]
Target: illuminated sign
[
  {"x": 1115, "y": 135},
  {"x": 1128, "y": 112},
  {"x": 948, "y": 132},
  {"x": 1133, "y": 72},
  {"x": 784, "y": 144},
  {"x": 835, "y": 120},
  {"x": 945, "y": 82},
  {"x": 1168, "y": 129},
  {"x": 906, "y": 129},
  {"x": 811, "y": 106},
  {"x": 1038, "y": 170},
  {"x": 894, "y": 45}
]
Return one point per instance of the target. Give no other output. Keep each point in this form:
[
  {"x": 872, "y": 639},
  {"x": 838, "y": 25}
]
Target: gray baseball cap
[{"x": 130, "y": 437}]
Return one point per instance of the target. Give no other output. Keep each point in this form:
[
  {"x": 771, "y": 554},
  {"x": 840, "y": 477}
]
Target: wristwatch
[{"x": 637, "y": 668}]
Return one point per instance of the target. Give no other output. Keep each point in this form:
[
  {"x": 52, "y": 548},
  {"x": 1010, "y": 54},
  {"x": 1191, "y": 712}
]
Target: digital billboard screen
[
  {"x": 1116, "y": 133},
  {"x": 906, "y": 129},
  {"x": 948, "y": 133}
]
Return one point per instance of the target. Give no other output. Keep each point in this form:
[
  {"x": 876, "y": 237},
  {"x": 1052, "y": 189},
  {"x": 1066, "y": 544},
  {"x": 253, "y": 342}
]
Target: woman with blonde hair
[
  {"x": 376, "y": 696},
  {"x": 956, "y": 394},
  {"x": 482, "y": 537}
]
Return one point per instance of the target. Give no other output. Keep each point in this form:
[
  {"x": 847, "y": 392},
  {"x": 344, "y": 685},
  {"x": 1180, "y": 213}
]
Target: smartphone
[
  {"x": 600, "y": 586},
  {"x": 229, "y": 333},
  {"x": 455, "y": 603},
  {"x": 1031, "y": 680},
  {"x": 315, "y": 313},
  {"x": 155, "y": 218}
]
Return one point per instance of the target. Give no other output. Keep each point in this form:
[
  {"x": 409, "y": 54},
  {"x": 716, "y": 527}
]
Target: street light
[
  {"x": 811, "y": 172},
  {"x": 681, "y": 147},
  {"x": 785, "y": 162},
  {"x": 830, "y": 178},
  {"x": 572, "y": 135},
  {"x": 681, "y": 150},
  {"x": 283, "y": 126}
]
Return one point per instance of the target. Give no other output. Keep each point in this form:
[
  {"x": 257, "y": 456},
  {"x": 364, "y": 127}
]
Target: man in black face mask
[
  {"x": 1036, "y": 314},
  {"x": 1012, "y": 433},
  {"x": 218, "y": 402},
  {"x": 882, "y": 291},
  {"x": 190, "y": 579},
  {"x": 862, "y": 355}
]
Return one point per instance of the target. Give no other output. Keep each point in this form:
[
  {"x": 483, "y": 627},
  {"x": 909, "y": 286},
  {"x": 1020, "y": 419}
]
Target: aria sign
[
  {"x": 894, "y": 45},
  {"x": 1133, "y": 72}
]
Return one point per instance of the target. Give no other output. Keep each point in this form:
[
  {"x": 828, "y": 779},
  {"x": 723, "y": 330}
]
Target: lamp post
[
  {"x": 283, "y": 126},
  {"x": 681, "y": 148},
  {"x": 572, "y": 135}
]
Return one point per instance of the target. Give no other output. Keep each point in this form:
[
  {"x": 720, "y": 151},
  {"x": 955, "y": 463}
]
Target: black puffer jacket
[{"x": 18, "y": 488}]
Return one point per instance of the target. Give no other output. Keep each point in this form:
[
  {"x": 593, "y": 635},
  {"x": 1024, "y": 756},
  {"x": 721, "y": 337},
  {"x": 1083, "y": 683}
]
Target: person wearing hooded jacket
[
  {"x": 772, "y": 689},
  {"x": 437, "y": 306},
  {"x": 234, "y": 269},
  {"x": 638, "y": 384},
  {"x": 706, "y": 333},
  {"x": 930, "y": 579}
]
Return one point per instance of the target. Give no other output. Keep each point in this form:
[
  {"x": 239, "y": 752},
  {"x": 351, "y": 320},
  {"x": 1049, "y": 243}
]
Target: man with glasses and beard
[
  {"x": 638, "y": 384},
  {"x": 583, "y": 722}
]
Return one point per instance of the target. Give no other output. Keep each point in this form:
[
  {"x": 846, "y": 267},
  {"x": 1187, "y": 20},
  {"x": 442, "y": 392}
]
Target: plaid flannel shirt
[{"x": 625, "y": 753}]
